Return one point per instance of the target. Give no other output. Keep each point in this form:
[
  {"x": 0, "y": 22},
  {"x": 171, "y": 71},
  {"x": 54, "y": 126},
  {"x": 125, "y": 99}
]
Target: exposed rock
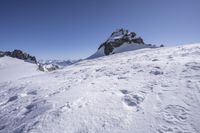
[
  {"x": 19, "y": 55},
  {"x": 118, "y": 38},
  {"x": 108, "y": 48},
  {"x": 138, "y": 40},
  {"x": 1, "y": 54},
  {"x": 161, "y": 45},
  {"x": 47, "y": 68}
]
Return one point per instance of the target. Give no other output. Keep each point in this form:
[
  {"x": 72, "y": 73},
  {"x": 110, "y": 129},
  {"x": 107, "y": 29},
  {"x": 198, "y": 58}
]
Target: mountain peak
[
  {"x": 120, "y": 40},
  {"x": 120, "y": 33},
  {"x": 125, "y": 36}
]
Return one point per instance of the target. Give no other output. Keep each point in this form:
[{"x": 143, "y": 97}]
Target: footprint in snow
[
  {"x": 13, "y": 98},
  {"x": 193, "y": 65},
  {"x": 156, "y": 72},
  {"x": 36, "y": 108},
  {"x": 66, "y": 107},
  {"x": 175, "y": 114},
  {"x": 77, "y": 104},
  {"x": 171, "y": 129},
  {"x": 34, "y": 92},
  {"x": 140, "y": 71},
  {"x": 170, "y": 57},
  {"x": 122, "y": 77},
  {"x": 155, "y": 60},
  {"x": 132, "y": 100},
  {"x": 175, "y": 118},
  {"x": 2, "y": 127},
  {"x": 124, "y": 91}
]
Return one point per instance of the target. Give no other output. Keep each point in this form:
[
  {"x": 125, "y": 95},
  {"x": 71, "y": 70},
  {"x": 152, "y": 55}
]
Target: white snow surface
[
  {"x": 130, "y": 47},
  {"x": 98, "y": 53},
  {"x": 143, "y": 91},
  {"x": 123, "y": 48},
  {"x": 12, "y": 69}
]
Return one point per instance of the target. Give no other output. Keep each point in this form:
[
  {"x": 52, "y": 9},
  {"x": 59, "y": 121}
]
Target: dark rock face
[
  {"x": 108, "y": 48},
  {"x": 161, "y": 45},
  {"x": 118, "y": 38},
  {"x": 1, "y": 54},
  {"x": 19, "y": 55},
  {"x": 138, "y": 40}
]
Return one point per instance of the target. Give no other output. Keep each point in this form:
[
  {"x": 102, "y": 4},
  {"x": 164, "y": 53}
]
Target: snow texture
[{"x": 143, "y": 91}]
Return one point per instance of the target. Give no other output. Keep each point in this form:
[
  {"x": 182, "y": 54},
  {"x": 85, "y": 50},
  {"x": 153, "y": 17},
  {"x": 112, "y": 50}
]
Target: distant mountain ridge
[
  {"x": 51, "y": 65},
  {"x": 43, "y": 65},
  {"x": 119, "y": 41},
  {"x": 19, "y": 54},
  {"x": 60, "y": 63}
]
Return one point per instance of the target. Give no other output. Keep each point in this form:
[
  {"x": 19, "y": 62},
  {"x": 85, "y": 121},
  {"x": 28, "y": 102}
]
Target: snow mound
[{"x": 143, "y": 91}]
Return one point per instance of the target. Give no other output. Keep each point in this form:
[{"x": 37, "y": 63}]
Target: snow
[
  {"x": 59, "y": 63},
  {"x": 129, "y": 47},
  {"x": 12, "y": 69},
  {"x": 99, "y": 53},
  {"x": 142, "y": 91},
  {"x": 123, "y": 48}
]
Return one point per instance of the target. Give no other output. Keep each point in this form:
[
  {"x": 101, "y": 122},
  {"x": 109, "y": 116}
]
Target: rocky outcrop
[
  {"x": 119, "y": 41},
  {"x": 1, "y": 54},
  {"x": 162, "y": 45},
  {"x": 118, "y": 38},
  {"x": 19, "y": 55},
  {"x": 47, "y": 68}
]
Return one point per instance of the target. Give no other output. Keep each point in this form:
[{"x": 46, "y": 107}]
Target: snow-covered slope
[
  {"x": 123, "y": 48},
  {"x": 143, "y": 91},
  {"x": 12, "y": 69}
]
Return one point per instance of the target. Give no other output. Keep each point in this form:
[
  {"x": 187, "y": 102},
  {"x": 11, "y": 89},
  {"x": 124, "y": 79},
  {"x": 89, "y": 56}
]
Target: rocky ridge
[
  {"x": 118, "y": 38},
  {"x": 19, "y": 54},
  {"x": 119, "y": 41}
]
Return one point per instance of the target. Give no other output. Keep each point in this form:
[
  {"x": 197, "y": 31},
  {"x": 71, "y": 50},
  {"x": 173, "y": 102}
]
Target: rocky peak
[
  {"x": 19, "y": 54},
  {"x": 121, "y": 34},
  {"x": 118, "y": 38}
]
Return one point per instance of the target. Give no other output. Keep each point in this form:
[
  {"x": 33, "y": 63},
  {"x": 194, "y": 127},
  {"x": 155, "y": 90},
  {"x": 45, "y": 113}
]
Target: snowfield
[
  {"x": 142, "y": 91},
  {"x": 12, "y": 69},
  {"x": 123, "y": 48}
]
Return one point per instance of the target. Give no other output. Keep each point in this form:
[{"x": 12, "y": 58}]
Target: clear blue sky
[{"x": 72, "y": 29}]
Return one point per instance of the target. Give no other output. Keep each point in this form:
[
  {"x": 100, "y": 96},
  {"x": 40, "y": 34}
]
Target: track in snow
[{"x": 149, "y": 90}]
